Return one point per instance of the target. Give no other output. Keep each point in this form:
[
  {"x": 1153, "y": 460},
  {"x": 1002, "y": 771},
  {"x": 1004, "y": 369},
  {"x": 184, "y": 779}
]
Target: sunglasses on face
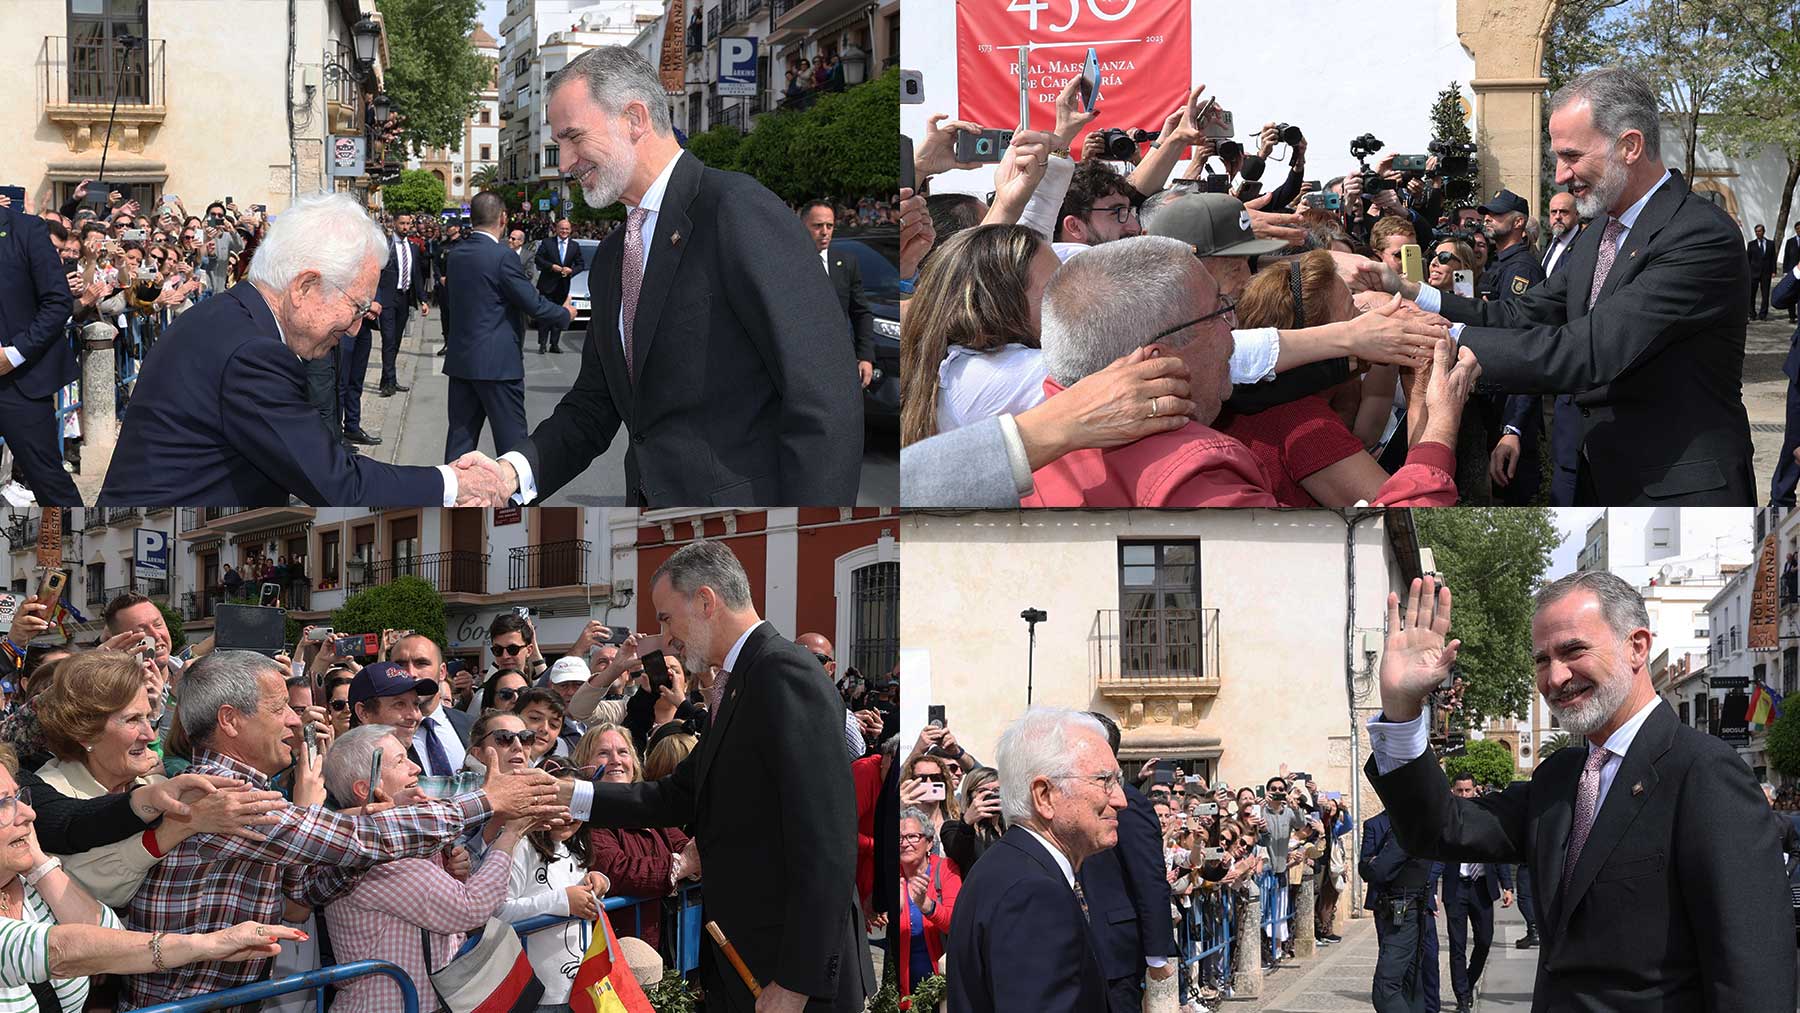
[
  {"x": 509, "y": 648},
  {"x": 1447, "y": 258},
  {"x": 339, "y": 705},
  {"x": 505, "y": 694},
  {"x": 505, "y": 737},
  {"x": 824, "y": 659}
]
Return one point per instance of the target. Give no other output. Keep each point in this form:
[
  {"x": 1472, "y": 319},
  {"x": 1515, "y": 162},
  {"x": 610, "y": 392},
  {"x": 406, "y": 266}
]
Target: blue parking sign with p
[
  {"x": 737, "y": 66},
  {"x": 152, "y": 554}
]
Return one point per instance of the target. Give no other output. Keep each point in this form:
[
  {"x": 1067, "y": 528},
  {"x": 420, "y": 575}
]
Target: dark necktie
[
  {"x": 1081, "y": 898},
  {"x": 434, "y": 750}
]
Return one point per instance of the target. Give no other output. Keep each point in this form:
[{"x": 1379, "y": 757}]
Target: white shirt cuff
[
  {"x": 1430, "y": 300},
  {"x": 1253, "y": 354},
  {"x": 13, "y": 356},
  {"x": 1156, "y": 962},
  {"x": 1796, "y": 272},
  {"x": 527, "y": 482},
  {"x": 581, "y": 804},
  {"x": 1397, "y": 743},
  {"x": 1015, "y": 455},
  {"x": 1455, "y": 334},
  {"x": 450, "y": 484}
]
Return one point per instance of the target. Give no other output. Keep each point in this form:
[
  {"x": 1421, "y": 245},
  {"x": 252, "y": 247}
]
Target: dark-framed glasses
[
  {"x": 9, "y": 806},
  {"x": 1121, "y": 213}
]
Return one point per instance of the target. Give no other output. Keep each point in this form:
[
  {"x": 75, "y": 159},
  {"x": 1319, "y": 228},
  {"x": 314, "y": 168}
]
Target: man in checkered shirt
[{"x": 234, "y": 708}]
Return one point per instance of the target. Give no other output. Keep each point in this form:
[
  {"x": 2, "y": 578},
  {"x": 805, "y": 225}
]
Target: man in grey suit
[
  {"x": 1659, "y": 875},
  {"x": 515, "y": 241},
  {"x": 1645, "y": 327}
]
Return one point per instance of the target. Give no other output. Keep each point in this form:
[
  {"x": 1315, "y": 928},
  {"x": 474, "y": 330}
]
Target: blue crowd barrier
[
  {"x": 687, "y": 929},
  {"x": 304, "y": 981},
  {"x": 1207, "y": 941}
]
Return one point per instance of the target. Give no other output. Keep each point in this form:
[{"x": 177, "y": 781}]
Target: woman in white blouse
[
  {"x": 550, "y": 877},
  {"x": 970, "y": 341}
]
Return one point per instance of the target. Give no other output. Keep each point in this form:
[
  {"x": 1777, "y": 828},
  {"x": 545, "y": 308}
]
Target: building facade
[{"x": 478, "y": 147}]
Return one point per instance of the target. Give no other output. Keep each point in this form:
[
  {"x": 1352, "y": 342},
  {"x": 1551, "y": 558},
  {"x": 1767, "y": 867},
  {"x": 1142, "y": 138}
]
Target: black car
[{"x": 877, "y": 252}]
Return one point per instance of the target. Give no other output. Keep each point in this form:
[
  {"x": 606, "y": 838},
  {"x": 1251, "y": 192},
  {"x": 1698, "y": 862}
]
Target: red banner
[{"x": 1143, "y": 47}]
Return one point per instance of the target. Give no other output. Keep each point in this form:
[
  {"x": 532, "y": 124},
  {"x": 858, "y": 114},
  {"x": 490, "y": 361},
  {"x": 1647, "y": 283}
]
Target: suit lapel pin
[
  {"x": 674, "y": 239},
  {"x": 1637, "y": 789}
]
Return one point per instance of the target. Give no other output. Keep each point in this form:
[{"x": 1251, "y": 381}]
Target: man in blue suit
[
  {"x": 402, "y": 286},
  {"x": 558, "y": 260},
  {"x": 1787, "y": 470},
  {"x": 1470, "y": 889},
  {"x": 220, "y": 415},
  {"x": 36, "y": 359},
  {"x": 1022, "y": 937},
  {"x": 1127, "y": 889},
  {"x": 1402, "y": 892},
  {"x": 485, "y": 362}
]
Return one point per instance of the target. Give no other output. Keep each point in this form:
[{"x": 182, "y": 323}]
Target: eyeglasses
[
  {"x": 506, "y": 737},
  {"x": 505, "y": 694},
  {"x": 362, "y": 309},
  {"x": 1227, "y": 308},
  {"x": 913, "y": 838},
  {"x": 510, "y": 648},
  {"x": 1446, "y": 258},
  {"x": 338, "y": 705},
  {"x": 9, "y": 806},
  {"x": 1121, "y": 213},
  {"x": 1109, "y": 782},
  {"x": 824, "y": 659}
]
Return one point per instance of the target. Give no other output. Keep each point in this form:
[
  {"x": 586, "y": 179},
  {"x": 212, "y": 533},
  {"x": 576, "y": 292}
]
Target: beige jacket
[{"x": 113, "y": 873}]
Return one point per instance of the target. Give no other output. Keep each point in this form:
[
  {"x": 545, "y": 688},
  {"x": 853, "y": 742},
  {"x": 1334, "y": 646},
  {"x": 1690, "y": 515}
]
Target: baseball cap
[
  {"x": 1214, "y": 224},
  {"x": 1503, "y": 202},
  {"x": 567, "y": 670},
  {"x": 384, "y": 678}
]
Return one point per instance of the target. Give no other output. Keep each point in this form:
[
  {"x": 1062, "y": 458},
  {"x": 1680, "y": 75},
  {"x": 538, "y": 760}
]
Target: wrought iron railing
[
  {"x": 87, "y": 72},
  {"x": 1156, "y": 644},
  {"x": 457, "y": 570},
  {"x": 552, "y": 564},
  {"x": 122, "y": 515}
]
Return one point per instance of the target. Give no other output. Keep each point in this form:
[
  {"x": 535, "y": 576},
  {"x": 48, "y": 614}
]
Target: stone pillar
[
  {"x": 1162, "y": 996},
  {"x": 1302, "y": 924},
  {"x": 1506, "y": 38},
  {"x": 1246, "y": 949},
  {"x": 99, "y": 405}
]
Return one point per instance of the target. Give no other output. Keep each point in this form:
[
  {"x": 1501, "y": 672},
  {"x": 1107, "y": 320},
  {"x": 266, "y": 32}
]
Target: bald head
[
  {"x": 816, "y": 643},
  {"x": 562, "y": 228}
]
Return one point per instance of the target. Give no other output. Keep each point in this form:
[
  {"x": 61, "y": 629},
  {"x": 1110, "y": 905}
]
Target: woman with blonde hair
[
  {"x": 969, "y": 343},
  {"x": 638, "y": 862},
  {"x": 666, "y": 753},
  {"x": 96, "y": 721}
]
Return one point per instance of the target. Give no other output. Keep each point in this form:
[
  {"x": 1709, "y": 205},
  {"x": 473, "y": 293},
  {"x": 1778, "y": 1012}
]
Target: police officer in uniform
[
  {"x": 1401, "y": 893},
  {"x": 1516, "y": 418}
]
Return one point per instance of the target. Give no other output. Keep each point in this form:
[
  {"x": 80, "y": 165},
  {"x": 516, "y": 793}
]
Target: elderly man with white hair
[
  {"x": 1020, "y": 938},
  {"x": 220, "y": 415},
  {"x": 1117, "y": 297}
]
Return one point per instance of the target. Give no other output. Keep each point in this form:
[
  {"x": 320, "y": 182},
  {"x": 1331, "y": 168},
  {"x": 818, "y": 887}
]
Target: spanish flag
[
  {"x": 1765, "y": 706},
  {"x": 603, "y": 983}
]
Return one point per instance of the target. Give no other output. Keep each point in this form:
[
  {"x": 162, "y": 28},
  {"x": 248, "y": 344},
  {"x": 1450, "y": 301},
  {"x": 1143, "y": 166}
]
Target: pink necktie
[
  {"x": 633, "y": 277},
  {"x": 1609, "y": 249},
  {"x": 716, "y": 695},
  {"x": 1587, "y": 799}
]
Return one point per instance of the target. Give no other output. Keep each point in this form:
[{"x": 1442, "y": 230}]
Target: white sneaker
[{"x": 16, "y": 494}]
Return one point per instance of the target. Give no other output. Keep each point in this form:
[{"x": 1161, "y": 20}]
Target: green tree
[
  {"x": 433, "y": 77},
  {"x": 1684, "y": 47},
  {"x": 718, "y": 147},
  {"x": 1487, "y": 760},
  {"x": 1783, "y": 743},
  {"x": 1447, "y": 122},
  {"x": 1759, "y": 105},
  {"x": 1584, "y": 34},
  {"x": 1492, "y": 558},
  {"x": 1553, "y": 743},
  {"x": 579, "y": 213},
  {"x": 177, "y": 632},
  {"x": 846, "y": 145},
  {"x": 486, "y": 178},
  {"x": 416, "y": 192},
  {"x": 406, "y": 604}
]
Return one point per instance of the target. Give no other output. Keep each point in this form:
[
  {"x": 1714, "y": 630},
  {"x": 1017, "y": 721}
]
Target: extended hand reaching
[
  {"x": 483, "y": 481},
  {"x": 1416, "y": 657}
]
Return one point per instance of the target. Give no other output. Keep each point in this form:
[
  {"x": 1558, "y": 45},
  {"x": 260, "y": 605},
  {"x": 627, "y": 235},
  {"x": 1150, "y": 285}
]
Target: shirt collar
[
  {"x": 488, "y": 234},
  {"x": 207, "y": 758},
  {"x": 1062, "y": 860},
  {"x": 1630, "y": 217},
  {"x": 652, "y": 201},
  {"x": 273, "y": 316},
  {"x": 730, "y": 663},
  {"x": 1620, "y": 740}
]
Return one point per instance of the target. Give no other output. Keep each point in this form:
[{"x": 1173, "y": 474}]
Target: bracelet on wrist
[
  {"x": 44, "y": 868},
  {"x": 156, "y": 956}
]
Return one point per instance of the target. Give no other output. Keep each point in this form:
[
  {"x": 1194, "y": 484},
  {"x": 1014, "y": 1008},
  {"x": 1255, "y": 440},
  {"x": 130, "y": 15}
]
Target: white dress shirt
[
  {"x": 581, "y": 803},
  {"x": 446, "y": 736},
  {"x": 1431, "y": 301},
  {"x": 1558, "y": 248},
  {"x": 403, "y": 263},
  {"x": 652, "y": 203}
]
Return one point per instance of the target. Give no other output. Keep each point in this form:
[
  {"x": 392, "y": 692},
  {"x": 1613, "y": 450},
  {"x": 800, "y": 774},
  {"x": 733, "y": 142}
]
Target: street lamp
[
  {"x": 367, "y": 35},
  {"x": 382, "y": 108},
  {"x": 856, "y": 65}
]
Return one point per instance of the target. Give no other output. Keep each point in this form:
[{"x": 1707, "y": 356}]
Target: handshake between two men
[{"x": 482, "y": 481}]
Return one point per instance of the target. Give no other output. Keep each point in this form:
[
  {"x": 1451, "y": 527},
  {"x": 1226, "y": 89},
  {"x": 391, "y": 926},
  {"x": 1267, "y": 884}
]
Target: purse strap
[{"x": 47, "y": 1000}]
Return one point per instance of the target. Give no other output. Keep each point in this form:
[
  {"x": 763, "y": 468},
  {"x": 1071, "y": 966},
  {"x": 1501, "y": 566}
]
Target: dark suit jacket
[
  {"x": 387, "y": 288},
  {"x": 1018, "y": 941},
  {"x": 460, "y": 720},
  {"x": 769, "y": 795},
  {"x": 1128, "y": 893},
  {"x": 1497, "y": 877},
  {"x": 1790, "y": 253},
  {"x": 1760, "y": 257},
  {"x": 1656, "y": 369},
  {"x": 1787, "y": 293},
  {"x": 552, "y": 284},
  {"x": 488, "y": 306},
  {"x": 35, "y": 304},
  {"x": 736, "y": 400},
  {"x": 846, "y": 278},
  {"x": 1678, "y": 902},
  {"x": 1383, "y": 859},
  {"x": 220, "y": 418}
]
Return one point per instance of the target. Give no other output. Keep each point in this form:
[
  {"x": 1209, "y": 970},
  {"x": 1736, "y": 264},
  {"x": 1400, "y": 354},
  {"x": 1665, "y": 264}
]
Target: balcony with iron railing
[
  {"x": 123, "y": 515},
  {"x": 551, "y": 564},
  {"x": 454, "y": 572},
  {"x": 81, "y": 79},
  {"x": 295, "y": 596},
  {"x": 93, "y": 519},
  {"x": 1161, "y": 661},
  {"x": 741, "y": 10},
  {"x": 712, "y": 24}
]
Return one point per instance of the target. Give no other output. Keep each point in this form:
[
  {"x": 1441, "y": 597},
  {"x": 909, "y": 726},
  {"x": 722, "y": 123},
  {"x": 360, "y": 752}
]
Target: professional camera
[
  {"x": 1290, "y": 135},
  {"x": 1372, "y": 182},
  {"x": 1458, "y": 168},
  {"x": 1034, "y": 615},
  {"x": 1122, "y": 145},
  {"x": 1362, "y": 147}
]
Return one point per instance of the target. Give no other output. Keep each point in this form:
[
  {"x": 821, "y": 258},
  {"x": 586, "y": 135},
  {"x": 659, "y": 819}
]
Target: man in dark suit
[
  {"x": 705, "y": 341},
  {"x": 846, "y": 278},
  {"x": 1470, "y": 890},
  {"x": 402, "y": 286},
  {"x": 439, "y": 254},
  {"x": 1658, "y": 873},
  {"x": 1787, "y": 469},
  {"x": 1127, "y": 890},
  {"x": 1022, "y": 935},
  {"x": 486, "y": 364},
  {"x": 1513, "y": 420},
  {"x": 1644, "y": 328},
  {"x": 558, "y": 259},
  {"x": 36, "y": 359},
  {"x": 220, "y": 415},
  {"x": 1790, "y": 259},
  {"x": 1760, "y": 254},
  {"x": 1401, "y": 891},
  {"x": 441, "y": 741},
  {"x": 784, "y": 894},
  {"x": 1565, "y": 420}
]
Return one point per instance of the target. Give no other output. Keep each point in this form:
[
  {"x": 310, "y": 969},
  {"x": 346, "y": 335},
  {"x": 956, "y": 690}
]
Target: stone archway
[{"x": 1506, "y": 38}]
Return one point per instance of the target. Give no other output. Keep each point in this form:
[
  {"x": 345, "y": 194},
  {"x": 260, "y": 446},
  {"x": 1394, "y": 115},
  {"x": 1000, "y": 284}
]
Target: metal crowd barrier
[
  {"x": 1207, "y": 940},
  {"x": 301, "y": 982},
  {"x": 687, "y": 928}
]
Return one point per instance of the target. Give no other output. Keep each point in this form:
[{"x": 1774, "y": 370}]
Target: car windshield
[{"x": 876, "y": 253}]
